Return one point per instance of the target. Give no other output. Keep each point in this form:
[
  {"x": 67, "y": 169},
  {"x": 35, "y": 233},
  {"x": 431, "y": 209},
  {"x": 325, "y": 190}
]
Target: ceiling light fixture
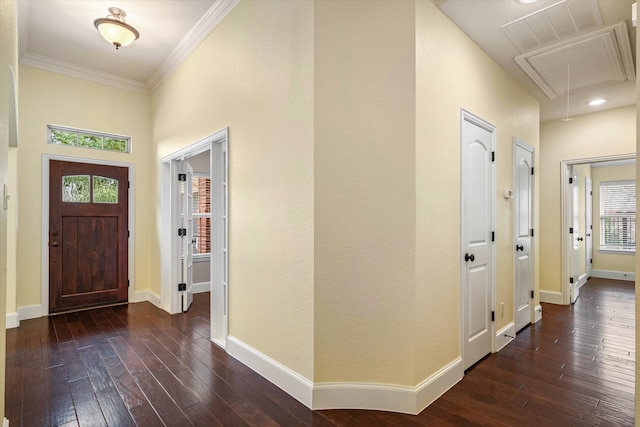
[
  {"x": 115, "y": 30},
  {"x": 596, "y": 102},
  {"x": 527, "y": 1}
]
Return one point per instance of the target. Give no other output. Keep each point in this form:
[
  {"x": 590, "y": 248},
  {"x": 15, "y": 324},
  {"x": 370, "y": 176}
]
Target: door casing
[
  {"x": 44, "y": 304},
  {"x": 566, "y": 205},
  {"x": 217, "y": 143}
]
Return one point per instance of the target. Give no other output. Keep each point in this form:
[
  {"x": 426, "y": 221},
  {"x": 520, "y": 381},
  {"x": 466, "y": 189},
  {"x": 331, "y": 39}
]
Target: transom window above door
[
  {"x": 76, "y": 189},
  {"x": 60, "y": 135}
]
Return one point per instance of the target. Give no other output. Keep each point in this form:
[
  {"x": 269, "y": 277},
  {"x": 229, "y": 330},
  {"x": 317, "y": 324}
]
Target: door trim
[
  {"x": 217, "y": 144},
  {"x": 466, "y": 116},
  {"x": 44, "y": 296},
  {"x": 520, "y": 143},
  {"x": 565, "y": 208}
]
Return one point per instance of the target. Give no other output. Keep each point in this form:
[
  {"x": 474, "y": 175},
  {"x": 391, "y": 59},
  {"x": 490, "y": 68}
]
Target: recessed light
[
  {"x": 527, "y": 1},
  {"x": 595, "y": 102}
]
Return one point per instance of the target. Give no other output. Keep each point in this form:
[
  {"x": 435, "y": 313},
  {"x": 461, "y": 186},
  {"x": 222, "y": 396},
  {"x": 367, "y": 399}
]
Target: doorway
[
  {"x": 84, "y": 285},
  {"x": 477, "y": 153},
  {"x": 175, "y": 289},
  {"x": 577, "y": 263}
]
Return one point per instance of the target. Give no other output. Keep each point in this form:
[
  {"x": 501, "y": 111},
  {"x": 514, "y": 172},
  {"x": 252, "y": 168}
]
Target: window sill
[{"x": 617, "y": 251}]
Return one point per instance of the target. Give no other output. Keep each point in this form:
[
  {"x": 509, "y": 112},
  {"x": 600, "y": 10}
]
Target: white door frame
[
  {"x": 217, "y": 144},
  {"x": 46, "y": 158},
  {"x": 531, "y": 149},
  {"x": 566, "y": 205}
]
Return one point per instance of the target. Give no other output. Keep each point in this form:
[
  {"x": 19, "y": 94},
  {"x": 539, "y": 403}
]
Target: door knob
[
  {"x": 580, "y": 239},
  {"x": 588, "y": 235},
  {"x": 468, "y": 257},
  {"x": 519, "y": 248},
  {"x": 55, "y": 244}
]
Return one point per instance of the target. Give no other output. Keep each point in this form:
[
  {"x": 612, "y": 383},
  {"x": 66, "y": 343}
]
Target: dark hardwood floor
[{"x": 136, "y": 365}]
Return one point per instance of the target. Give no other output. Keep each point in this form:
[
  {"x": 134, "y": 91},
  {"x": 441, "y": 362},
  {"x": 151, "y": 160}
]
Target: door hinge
[
  {"x": 128, "y": 184},
  {"x": 570, "y": 230},
  {"x": 493, "y": 236},
  {"x": 128, "y": 233},
  {"x": 493, "y": 316},
  {"x": 128, "y": 283},
  {"x": 591, "y": 193},
  {"x": 531, "y": 171},
  {"x": 570, "y": 279},
  {"x": 493, "y": 156},
  {"x": 532, "y": 295},
  {"x": 531, "y": 232},
  {"x": 182, "y": 177},
  {"x": 182, "y": 286},
  {"x": 591, "y": 261},
  {"x": 570, "y": 180},
  {"x": 182, "y": 232}
]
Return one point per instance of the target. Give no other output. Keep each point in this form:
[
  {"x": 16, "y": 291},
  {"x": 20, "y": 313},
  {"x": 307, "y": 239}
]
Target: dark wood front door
[{"x": 88, "y": 232}]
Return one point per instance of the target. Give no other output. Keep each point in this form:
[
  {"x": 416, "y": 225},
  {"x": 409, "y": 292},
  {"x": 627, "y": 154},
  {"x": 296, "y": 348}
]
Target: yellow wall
[
  {"x": 365, "y": 191},
  {"x": 590, "y": 135},
  {"x": 602, "y": 260},
  {"x": 254, "y": 74},
  {"x": 453, "y": 73},
  {"x": 8, "y": 58},
  {"x": 50, "y": 98}
]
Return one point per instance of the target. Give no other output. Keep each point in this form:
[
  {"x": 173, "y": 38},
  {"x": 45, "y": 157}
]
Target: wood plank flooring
[{"x": 136, "y": 365}]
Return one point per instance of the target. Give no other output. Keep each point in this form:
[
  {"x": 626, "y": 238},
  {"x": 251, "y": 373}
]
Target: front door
[
  {"x": 523, "y": 226},
  {"x": 88, "y": 232},
  {"x": 477, "y": 219}
]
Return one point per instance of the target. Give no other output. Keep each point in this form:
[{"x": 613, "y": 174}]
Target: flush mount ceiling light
[
  {"x": 596, "y": 102},
  {"x": 115, "y": 30},
  {"x": 527, "y": 1}
]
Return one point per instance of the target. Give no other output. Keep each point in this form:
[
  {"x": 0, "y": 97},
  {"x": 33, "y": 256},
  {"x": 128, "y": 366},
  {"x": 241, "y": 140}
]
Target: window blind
[{"x": 618, "y": 215}]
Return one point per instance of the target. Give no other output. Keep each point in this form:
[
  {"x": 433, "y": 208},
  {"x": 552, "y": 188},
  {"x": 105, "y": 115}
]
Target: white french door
[{"x": 185, "y": 215}]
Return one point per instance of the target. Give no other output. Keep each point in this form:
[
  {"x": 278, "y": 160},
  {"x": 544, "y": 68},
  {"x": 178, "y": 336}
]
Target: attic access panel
[{"x": 598, "y": 57}]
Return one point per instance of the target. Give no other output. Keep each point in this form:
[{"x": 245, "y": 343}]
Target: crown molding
[
  {"x": 85, "y": 73},
  {"x": 218, "y": 11}
]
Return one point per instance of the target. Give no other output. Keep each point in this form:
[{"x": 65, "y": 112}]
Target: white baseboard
[
  {"x": 12, "y": 321},
  {"x": 582, "y": 280},
  {"x": 616, "y": 275},
  {"x": 152, "y": 297},
  {"x": 5, "y": 423},
  {"x": 201, "y": 287},
  {"x": 552, "y": 297},
  {"x": 291, "y": 382},
  {"x": 30, "y": 312},
  {"x": 503, "y": 336},
  {"x": 387, "y": 397},
  {"x": 538, "y": 313}
]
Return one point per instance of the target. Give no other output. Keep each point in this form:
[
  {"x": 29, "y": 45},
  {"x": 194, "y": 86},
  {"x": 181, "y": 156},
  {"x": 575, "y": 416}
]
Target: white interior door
[
  {"x": 477, "y": 251},
  {"x": 185, "y": 183},
  {"x": 574, "y": 291},
  {"x": 523, "y": 226},
  {"x": 588, "y": 213}
]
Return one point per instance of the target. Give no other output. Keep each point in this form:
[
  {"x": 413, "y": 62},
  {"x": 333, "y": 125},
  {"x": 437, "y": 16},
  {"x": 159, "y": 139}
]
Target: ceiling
[
  {"x": 578, "y": 44},
  {"x": 59, "y": 35}
]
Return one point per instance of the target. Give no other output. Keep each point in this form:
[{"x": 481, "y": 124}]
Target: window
[
  {"x": 88, "y": 139},
  {"x": 201, "y": 214},
  {"x": 76, "y": 189},
  {"x": 618, "y": 215}
]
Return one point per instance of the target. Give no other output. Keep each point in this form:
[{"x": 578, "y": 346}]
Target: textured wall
[{"x": 590, "y": 135}]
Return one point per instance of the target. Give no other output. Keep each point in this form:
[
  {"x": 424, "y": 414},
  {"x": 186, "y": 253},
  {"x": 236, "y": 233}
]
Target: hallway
[{"x": 136, "y": 365}]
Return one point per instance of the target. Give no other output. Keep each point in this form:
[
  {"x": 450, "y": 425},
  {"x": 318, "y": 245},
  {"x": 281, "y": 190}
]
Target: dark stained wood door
[{"x": 88, "y": 232}]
